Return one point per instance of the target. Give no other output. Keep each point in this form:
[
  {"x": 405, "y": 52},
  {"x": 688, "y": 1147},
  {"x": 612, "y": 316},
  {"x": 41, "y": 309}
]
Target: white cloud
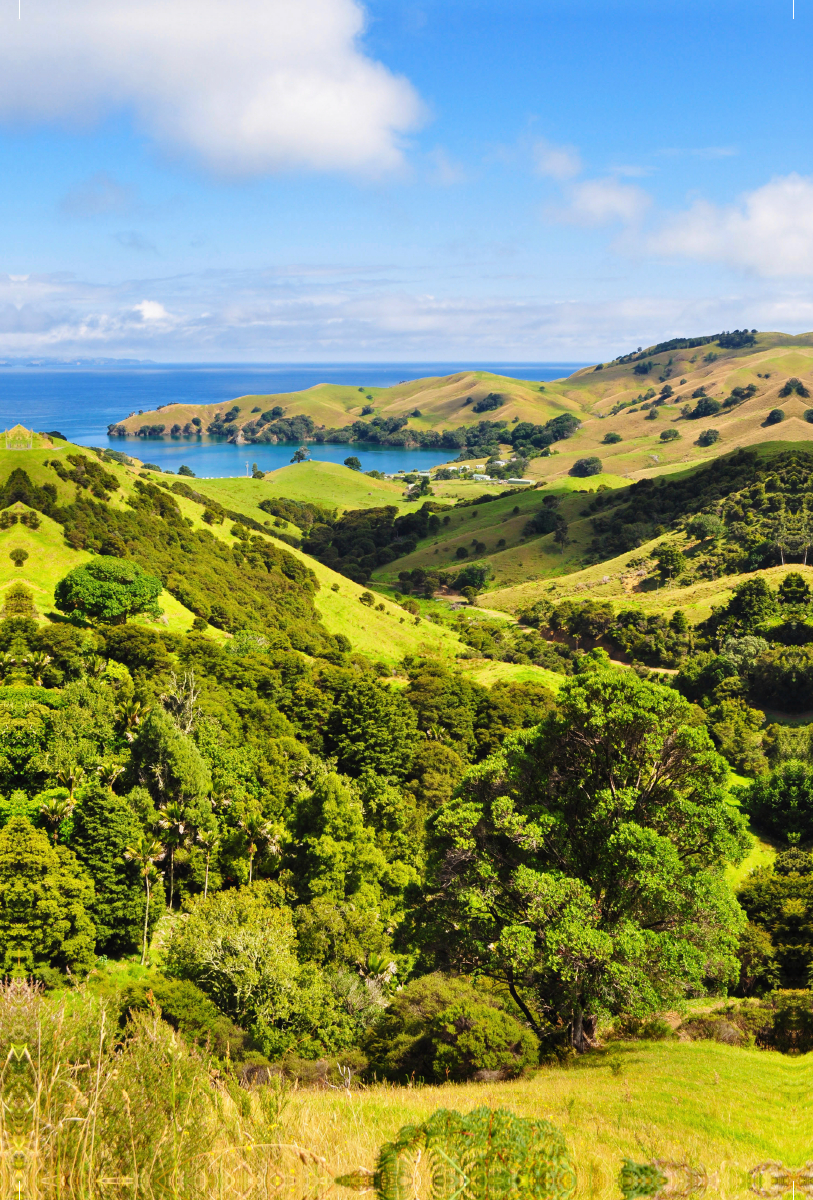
[
  {"x": 334, "y": 315},
  {"x": 151, "y": 310},
  {"x": 770, "y": 232},
  {"x": 604, "y": 202},
  {"x": 557, "y": 162},
  {"x": 244, "y": 86}
]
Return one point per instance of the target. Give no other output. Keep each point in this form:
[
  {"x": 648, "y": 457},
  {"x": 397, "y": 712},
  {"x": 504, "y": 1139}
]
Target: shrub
[
  {"x": 367, "y": 598},
  {"x": 610, "y": 439},
  {"x": 794, "y": 385},
  {"x": 708, "y": 437},
  {"x": 474, "y": 1040},
  {"x": 437, "y": 1023},
  {"x": 584, "y": 467},
  {"x": 809, "y": 415},
  {"x": 705, "y": 407},
  {"x": 775, "y": 416},
  {"x": 669, "y": 435}
]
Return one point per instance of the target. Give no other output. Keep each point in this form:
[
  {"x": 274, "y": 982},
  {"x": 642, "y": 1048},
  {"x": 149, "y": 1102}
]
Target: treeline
[
  {"x": 485, "y": 436},
  {"x": 761, "y": 506}
]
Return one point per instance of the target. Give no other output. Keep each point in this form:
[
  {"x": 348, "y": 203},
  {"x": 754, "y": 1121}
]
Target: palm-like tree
[
  {"x": 36, "y": 665},
  {"x": 109, "y": 772},
  {"x": 208, "y": 840},
  {"x": 70, "y": 777},
  {"x": 146, "y": 851},
  {"x": 54, "y": 810},
  {"x": 258, "y": 833},
  {"x": 95, "y": 665},
  {"x": 131, "y": 714},
  {"x": 176, "y": 834}
]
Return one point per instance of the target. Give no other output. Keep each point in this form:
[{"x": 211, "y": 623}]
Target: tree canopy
[
  {"x": 582, "y": 866},
  {"x": 109, "y": 590}
]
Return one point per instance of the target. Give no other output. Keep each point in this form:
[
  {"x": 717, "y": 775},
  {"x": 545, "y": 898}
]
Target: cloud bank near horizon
[{"x": 297, "y": 316}]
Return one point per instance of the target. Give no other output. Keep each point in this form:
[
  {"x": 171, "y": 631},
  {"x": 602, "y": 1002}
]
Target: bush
[
  {"x": 584, "y": 467},
  {"x": 437, "y": 1023},
  {"x": 708, "y": 437},
  {"x": 611, "y": 439},
  {"x": 809, "y": 415},
  {"x": 705, "y": 407},
  {"x": 649, "y": 1029},
  {"x": 775, "y": 416},
  {"x": 669, "y": 435},
  {"x": 477, "y": 1041}
]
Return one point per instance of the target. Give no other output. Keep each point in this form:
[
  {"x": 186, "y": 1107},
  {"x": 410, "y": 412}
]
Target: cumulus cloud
[
  {"x": 557, "y": 162},
  {"x": 244, "y": 86},
  {"x": 769, "y": 232},
  {"x": 604, "y": 202}
]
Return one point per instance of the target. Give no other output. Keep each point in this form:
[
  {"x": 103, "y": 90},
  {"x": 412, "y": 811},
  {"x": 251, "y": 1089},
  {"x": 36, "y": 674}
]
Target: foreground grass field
[{"x": 712, "y": 1106}]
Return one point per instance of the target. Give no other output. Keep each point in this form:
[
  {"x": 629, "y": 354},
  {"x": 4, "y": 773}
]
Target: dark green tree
[
  {"x": 44, "y": 900},
  {"x": 108, "y": 590},
  {"x": 353, "y": 463},
  {"x": 583, "y": 866},
  {"x": 104, "y": 825},
  {"x": 371, "y": 728}
]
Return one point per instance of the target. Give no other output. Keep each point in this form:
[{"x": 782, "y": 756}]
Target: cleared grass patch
[{"x": 701, "y": 1103}]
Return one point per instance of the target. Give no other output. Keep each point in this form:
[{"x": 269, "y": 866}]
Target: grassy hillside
[
  {"x": 720, "y": 1109},
  {"x": 440, "y": 399},
  {"x": 592, "y": 394},
  {"x": 385, "y": 633}
]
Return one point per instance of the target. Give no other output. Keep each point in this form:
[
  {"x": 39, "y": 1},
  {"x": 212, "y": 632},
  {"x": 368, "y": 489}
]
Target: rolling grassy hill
[
  {"x": 592, "y": 394},
  {"x": 385, "y": 633}
]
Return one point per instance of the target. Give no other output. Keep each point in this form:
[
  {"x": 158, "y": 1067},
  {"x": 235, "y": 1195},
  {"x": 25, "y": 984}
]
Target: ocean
[{"x": 80, "y": 402}]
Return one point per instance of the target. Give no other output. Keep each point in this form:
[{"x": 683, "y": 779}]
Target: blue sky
[{"x": 320, "y": 180}]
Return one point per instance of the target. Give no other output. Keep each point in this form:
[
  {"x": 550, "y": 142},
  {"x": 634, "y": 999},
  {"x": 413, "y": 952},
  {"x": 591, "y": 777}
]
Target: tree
[
  {"x": 670, "y": 560},
  {"x": 582, "y": 866},
  {"x": 353, "y": 463},
  {"x": 583, "y": 467},
  {"x": 708, "y": 437},
  {"x": 560, "y": 533},
  {"x": 239, "y": 947},
  {"x": 781, "y": 803},
  {"x": 56, "y": 805},
  {"x": 611, "y": 439},
  {"x": 108, "y": 590},
  {"x": 775, "y": 417},
  {"x": 371, "y": 728},
  {"x": 705, "y": 526},
  {"x": 176, "y": 833},
  {"x": 209, "y": 842},
  {"x": 300, "y": 455},
  {"x": 145, "y": 851},
  {"x": 44, "y": 900},
  {"x": 669, "y": 435},
  {"x": 104, "y": 826}
]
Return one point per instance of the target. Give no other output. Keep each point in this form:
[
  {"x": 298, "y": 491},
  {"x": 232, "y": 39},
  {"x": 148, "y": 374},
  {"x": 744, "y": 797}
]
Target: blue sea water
[{"x": 81, "y": 402}]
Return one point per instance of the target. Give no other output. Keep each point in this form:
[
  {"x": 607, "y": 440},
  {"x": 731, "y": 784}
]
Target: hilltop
[{"x": 707, "y": 395}]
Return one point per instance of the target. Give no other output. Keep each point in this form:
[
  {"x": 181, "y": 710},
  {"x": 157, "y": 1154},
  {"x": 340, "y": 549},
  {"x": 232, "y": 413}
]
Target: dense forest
[{"x": 296, "y": 852}]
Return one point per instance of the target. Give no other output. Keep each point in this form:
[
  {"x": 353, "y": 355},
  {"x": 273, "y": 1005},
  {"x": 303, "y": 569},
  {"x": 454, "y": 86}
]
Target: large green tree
[
  {"x": 44, "y": 900},
  {"x": 371, "y": 728},
  {"x": 109, "y": 590},
  {"x": 104, "y": 825},
  {"x": 583, "y": 865}
]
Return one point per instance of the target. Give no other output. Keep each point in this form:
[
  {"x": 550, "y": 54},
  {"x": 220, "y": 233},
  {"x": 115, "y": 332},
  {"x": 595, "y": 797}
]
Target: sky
[{"x": 337, "y": 181}]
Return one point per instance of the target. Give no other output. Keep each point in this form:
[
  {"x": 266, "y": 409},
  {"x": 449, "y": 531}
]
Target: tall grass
[{"x": 91, "y": 1110}]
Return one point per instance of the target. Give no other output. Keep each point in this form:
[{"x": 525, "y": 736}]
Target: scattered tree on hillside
[{"x": 108, "y": 590}]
